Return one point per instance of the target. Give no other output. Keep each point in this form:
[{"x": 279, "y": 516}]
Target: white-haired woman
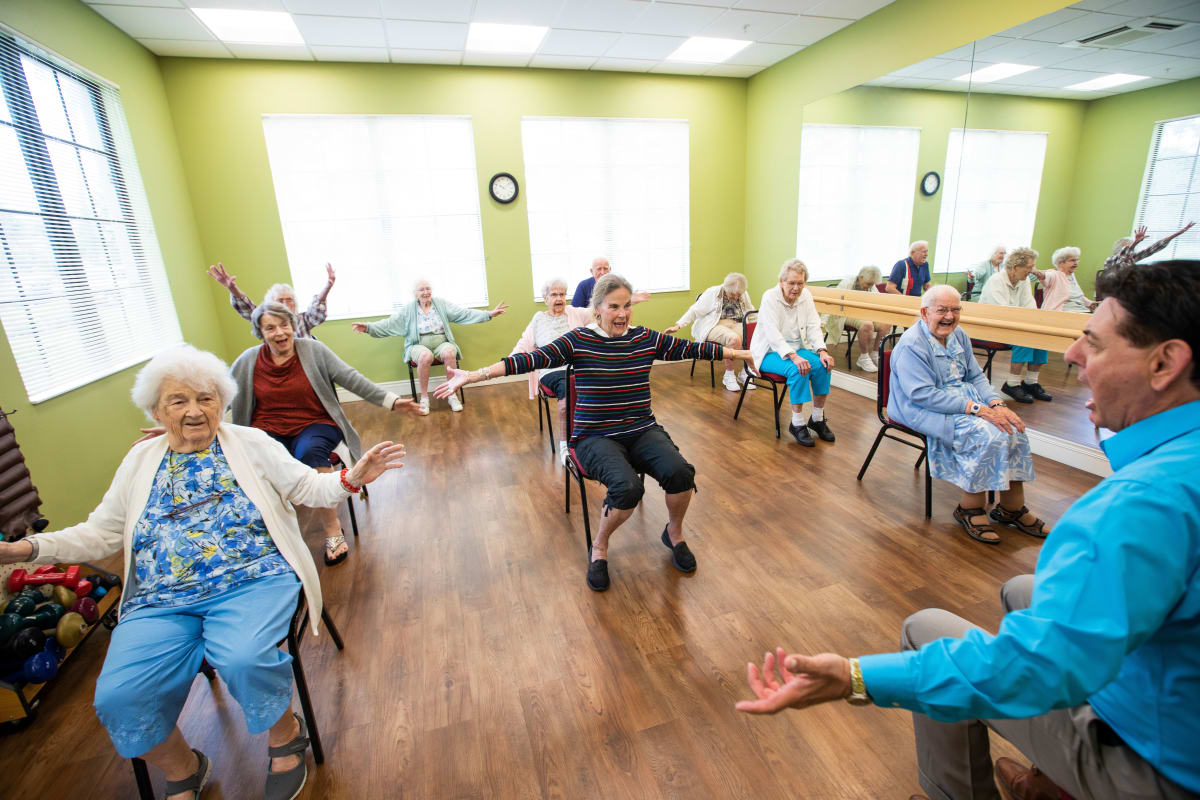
[
  {"x": 213, "y": 562},
  {"x": 1010, "y": 287},
  {"x": 1123, "y": 249},
  {"x": 425, "y": 325},
  {"x": 1061, "y": 290},
  {"x": 716, "y": 316},
  {"x": 867, "y": 280},
  {"x": 286, "y": 387},
  {"x": 979, "y": 274},
  {"x": 278, "y": 293},
  {"x": 544, "y": 328},
  {"x": 614, "y": 433}
]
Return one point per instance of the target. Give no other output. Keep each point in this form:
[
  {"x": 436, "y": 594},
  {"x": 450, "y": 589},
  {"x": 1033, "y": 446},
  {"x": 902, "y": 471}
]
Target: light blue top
[
  {"x": 404, "y": 323},
  {"x": 921, "y": 374},
  {"x": 1115, "y": 617}
]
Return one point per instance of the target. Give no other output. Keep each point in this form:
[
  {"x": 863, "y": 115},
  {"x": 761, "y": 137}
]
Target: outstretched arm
[{"x": 328, "y": 284}]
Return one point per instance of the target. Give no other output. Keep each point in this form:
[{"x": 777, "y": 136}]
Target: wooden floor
[{"x": 478, "y": 664}]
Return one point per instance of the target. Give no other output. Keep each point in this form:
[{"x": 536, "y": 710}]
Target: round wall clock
[
  {"x": 930, "y": 183},
  {"x": 503, "y": 187}
]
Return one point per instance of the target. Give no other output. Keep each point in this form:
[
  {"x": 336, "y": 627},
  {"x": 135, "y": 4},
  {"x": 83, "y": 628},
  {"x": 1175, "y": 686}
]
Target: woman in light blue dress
[{"x": 975, "y": 441}]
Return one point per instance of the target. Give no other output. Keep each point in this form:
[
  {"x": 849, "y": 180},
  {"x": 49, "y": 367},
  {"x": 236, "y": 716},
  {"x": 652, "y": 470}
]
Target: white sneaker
[
  {"x": 562, "y": 453},
  {"x": 455, "y": 403},
  {"x": 730, "y": 382},
  {"x": 423, "y": 406},
  {"x": 743, "y": 377},
  {"x": 866, "y": 364}
]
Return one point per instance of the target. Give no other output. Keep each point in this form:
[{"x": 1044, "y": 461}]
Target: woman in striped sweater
[{"x": 614, "y": 434}]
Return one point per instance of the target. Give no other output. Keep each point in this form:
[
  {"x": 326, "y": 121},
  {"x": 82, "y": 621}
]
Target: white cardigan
[
  {"x": 780, "y": 324},
  {"x": 264, "y": 469},
  {"x": 706, "y": 312}
]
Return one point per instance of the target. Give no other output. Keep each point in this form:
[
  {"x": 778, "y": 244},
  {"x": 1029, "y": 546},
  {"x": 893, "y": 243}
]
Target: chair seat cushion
[
  {"x": 773, "y": 376},
  {"x": 984, "y": 344}
]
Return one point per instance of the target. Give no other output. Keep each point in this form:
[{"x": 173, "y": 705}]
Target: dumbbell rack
[{"x": 19, "y": 704}]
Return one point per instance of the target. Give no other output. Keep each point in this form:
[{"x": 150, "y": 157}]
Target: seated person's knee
[
  {"x": 425, "y": 359},
  {"x": 682, "y": 478},
  {"x": 625, "y": 494}
]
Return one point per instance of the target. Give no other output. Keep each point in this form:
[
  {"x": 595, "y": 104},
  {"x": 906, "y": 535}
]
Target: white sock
[
  {"x": 798, "y": 417},
  {"x": 424, "y": 398},
  {"x": 1030, "y": 378},
  {"x": 818, "y": 414},
  {"x": 728, "y": 373},
  {"x": 1013, "y": 378}
]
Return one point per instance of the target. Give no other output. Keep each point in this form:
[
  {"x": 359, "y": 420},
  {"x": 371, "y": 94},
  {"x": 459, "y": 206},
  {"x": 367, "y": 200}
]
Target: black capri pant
[{"x": 616, "y": 462}]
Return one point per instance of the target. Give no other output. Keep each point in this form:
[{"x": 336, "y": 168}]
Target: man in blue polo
[
  {"x": 583, "y": 291},
  {"x": 1095, "y": 671},
  {"x": 911, "y": 275}
]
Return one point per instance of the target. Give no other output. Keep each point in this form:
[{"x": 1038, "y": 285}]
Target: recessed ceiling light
[
  {"x": 994, "y": 73},
  {"x": 1107, "y": 82},
  {"x": 707, "y": 50},
  {"x": 491, "y": 37},
  {"x": 250, "y": 27}
]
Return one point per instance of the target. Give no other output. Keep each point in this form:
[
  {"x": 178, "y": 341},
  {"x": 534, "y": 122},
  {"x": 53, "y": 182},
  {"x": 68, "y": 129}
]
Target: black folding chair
[
  {"x": 412, "y": 381},
  {"x": 776, "y": 382},
  {"x": 712, "y": 368},
  {"x": 544, "y": 396}
]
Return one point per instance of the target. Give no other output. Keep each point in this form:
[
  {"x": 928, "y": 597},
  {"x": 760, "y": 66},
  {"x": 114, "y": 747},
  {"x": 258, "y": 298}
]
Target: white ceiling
[
  {"x": 1165, "y": 56},
  {"x": 625, "y": 35}
]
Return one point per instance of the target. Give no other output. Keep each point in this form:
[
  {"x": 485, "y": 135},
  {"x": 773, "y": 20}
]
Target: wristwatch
[
  {"x": 974, "y": 408},
  {"x": 858, "y": 689}
]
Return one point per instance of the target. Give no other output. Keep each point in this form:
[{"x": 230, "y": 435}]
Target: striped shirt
[{"x": 612, "y": 374}]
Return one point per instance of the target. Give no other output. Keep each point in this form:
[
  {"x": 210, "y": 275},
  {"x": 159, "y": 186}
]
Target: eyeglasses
[{"x": 943, "y": 310}]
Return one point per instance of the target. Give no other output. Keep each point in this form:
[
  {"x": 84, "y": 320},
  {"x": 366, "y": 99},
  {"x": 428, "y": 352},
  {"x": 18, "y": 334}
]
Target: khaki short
[
  {"x": 725, "y": 332},
  {"x": 433, "y": 343}
]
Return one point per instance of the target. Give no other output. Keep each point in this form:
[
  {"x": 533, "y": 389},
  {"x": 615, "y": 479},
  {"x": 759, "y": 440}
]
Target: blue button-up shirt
[{"x": 1115, "y": 617}]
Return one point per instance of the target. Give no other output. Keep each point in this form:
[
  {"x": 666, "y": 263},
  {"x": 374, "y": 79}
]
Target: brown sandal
[
  {"x": 964, "y": 515},
  {"x": 1013, "y": 520}
]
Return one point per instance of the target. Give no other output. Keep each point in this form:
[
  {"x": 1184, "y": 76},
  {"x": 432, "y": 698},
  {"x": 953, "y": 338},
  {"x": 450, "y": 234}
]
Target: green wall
[
  {"x": 73, "y": 442},
  {"x": 218, "y": 106}
]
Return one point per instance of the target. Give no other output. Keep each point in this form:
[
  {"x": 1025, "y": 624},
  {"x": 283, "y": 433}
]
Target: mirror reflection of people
[
  {"x": 425, "y": 325},
  {"x": 788, "y": 341},
  {"x": 910, "y": 275},
  {"x": 1095, "y": 670},
  {"x": 981, "y": 272},
  {"x": 1125, "y": 253},
  {"x": 213, "y": 564},
  {"x": 1062, "y": 290},
  {"x": 866, "y": 280},
  {"x": 278, "y": 293},
  {"x": 975, "y": 441},
  {"x": 614, "y": 432},
  {"x": 1010, "y": 287},
  {"x": 583, "y": 292},
  {"x": 716, "y": 316}
]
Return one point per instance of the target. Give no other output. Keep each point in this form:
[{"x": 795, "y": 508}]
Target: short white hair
[
  {"x": 734, "y": 282},
  {"x": 1120, "y": 243},
  {"x": 417, "y": 284},
  {"x": 199, "y": 369},
  {"x": 918, "y": 243},
  {"x": 275, "y": 310},
  {"x": 276, "y": 290},
  {"x": 930, "y": 298},
  {"x": 793, "y": 265},
  {"x": 1063, "y": 253},
  {"x": 550, "y": 284}
]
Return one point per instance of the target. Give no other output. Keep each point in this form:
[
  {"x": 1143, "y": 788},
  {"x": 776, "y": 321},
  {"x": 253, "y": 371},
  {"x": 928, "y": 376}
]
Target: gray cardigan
[{"x": 323, "y": 369}]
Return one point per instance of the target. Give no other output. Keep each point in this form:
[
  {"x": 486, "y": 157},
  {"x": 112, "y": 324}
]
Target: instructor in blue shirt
[
  {"x": 1095, "y": 671},
  {"x": 910, "y": 275}
]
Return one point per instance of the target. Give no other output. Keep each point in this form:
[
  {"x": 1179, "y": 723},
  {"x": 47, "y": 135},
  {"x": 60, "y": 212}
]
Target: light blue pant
[
  {"x": 798, "y": 384},
  {"x": 155, "y": 653},
  {"x": 1029, "y": 355}
]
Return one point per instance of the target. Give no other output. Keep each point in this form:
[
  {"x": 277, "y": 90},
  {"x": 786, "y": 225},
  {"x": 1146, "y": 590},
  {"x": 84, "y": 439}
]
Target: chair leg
[
  {"x": 870, "y": 455},
  {"x": 539, "y": 405},
  {"x": 928, "y": 484},
  {"x": 920, "y": 458},
  {"x": 587, "y": 523},
  {"x": 693, "y": 372},
  {"x": 353, "y": 519},
  {"x": 333, "y": 631},
  {"x": 567, "y": 489},
  {"x": 741, "y": 397},
  {"x": 991, "y": 497},
  {"x": 141, "y": 774},
  {"x": 777, "y": 399},
  {"x": 314, "y": 736},
  {"x": 412, "y": 384},
  {"x": 712, "y": 373},
  {"x": 549, "y": 426}
]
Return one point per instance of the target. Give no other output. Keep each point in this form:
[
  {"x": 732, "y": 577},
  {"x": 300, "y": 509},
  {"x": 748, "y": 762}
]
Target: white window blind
[
  {"x": 1170, "y": 195},
  {"x": 856, "y": 197},
  {"x": 608, "y": 187},
  {"x": 83, "y": 292},
  {"x": 388, "y": 200},
  {"x": 989, "y": 195}
]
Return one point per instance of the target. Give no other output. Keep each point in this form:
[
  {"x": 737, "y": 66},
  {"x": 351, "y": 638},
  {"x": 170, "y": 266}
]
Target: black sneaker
[
  {"x": 597, "y": 575},
  {"x": 1017, "y": 393},
  {"x": 1036, "y": 391},
  {"x": 802, "y": 435},
  {"x": 821, "y": 429},
  {"x": 680, "y": 554}
]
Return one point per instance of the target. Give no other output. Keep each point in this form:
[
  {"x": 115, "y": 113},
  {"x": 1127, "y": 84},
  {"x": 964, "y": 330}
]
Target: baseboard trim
[{"x": 1064, "y": 451}]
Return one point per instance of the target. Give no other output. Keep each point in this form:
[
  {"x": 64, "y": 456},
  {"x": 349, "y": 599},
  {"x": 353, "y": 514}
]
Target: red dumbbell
[{"x": 20, "y": 578}]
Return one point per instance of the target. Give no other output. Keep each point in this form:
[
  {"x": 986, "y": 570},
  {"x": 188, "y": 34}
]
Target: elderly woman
[
  {"x": 614, "y": 433},
  {"x": 213, "y": 563},
  {"x": 425, "y": 325},
  {"x": 1062, "y": 290},
  {"x": 866, "y": 280},
  {"x": 1010, "y": 287},
  {"x": 974, "y": 440},
  {"x": 1123, "y": 249},
  {"x": 279, "y": 293},
  {"x": 286, "y": 388},
  {"x": 716, "y": 316},
  {"x": 979, "y": 274}
]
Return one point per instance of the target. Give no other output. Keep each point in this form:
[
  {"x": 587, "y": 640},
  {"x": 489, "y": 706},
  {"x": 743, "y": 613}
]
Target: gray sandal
[
  {"x": 287, "y": 785},
  {"x": 194, "y": 783}
]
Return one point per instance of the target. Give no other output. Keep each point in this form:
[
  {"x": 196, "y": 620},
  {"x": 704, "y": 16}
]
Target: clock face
[
  {"x": 930, "y": 183},
  {"x": 503, "y": 187}
]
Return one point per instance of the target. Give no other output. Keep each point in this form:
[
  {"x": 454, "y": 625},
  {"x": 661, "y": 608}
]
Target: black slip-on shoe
[
  {"x": 597, "y": 575},
  {"x": 1036, "y": 391},
  {"x": 680, "y": 554},
  {"x": 1017, "y": 393},
  {"x": 821, "y": 429},
  {"x": 800, "y": 432}
]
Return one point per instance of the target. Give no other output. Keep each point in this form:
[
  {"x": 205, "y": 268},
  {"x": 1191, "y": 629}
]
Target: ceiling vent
[{"x": 1125, "y": 34}]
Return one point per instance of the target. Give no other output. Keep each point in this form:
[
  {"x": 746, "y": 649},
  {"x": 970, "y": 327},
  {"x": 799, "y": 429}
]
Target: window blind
[
  {"x": 388, "y": 200},
  {"x": 83, "y": 291},
  {"x": 608, "y": 187},
  {"x": 1170, "y": 195},
  {"x": 856, "y": 197}
]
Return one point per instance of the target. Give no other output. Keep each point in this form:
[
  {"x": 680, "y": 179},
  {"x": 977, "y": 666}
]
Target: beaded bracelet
[{"x": 349, "y": 487}]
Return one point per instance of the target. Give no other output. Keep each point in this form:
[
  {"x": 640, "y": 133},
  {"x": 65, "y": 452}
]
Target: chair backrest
[
  {"x": 570, "y": 399},
  {"x": 1038, "y": 294},
  {"x": 966, "y": 295},
  {"x": 881, "y": 286},
  {"x": 883, "y": 378},
  {"x": 748, "y": 327}
]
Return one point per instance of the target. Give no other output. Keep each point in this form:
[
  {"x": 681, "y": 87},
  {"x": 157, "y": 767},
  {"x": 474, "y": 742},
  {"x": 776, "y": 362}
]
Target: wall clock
[
  {"x": 503, "y": 187},
  {"x": 930, "y": 183}
]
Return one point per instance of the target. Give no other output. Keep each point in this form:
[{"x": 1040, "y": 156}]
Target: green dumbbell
[
  {"x": 21, "y": 605},
  {"x": 11, "y": 623},
  {"x": 47, "y": 616}
]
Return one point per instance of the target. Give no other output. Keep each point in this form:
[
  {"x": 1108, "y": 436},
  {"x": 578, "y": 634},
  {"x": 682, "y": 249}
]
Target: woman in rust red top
[{"x": 286, "y": 387}]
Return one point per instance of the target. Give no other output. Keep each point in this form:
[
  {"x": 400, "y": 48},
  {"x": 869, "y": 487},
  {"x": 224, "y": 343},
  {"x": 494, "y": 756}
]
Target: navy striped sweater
[{"x": 612, "y": 374}]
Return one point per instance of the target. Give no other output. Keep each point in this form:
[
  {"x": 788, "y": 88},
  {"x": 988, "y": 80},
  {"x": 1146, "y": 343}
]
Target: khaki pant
[
  {"x": 723, "y": 332},
  {"x": 1072, "y": 746}
]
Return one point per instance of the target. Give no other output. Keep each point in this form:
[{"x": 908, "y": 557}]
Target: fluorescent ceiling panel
[
  {"x": 1106, "y": 82},
  {"x": 995, "y": 72},
  {"x": 706, "y": 50},
  {"x": 250, "y": 27},
  {"x": 491, "y": 37}
]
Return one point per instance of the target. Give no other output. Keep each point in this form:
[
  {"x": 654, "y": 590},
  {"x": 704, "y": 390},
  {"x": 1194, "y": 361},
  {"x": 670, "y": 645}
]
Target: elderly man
[
  {"x": 583, "y": 292},
  {"x": 278, "y": 293},
  {"x": 788, "y": 341},
  {"x": 1095, "y": 671},
  {"x": 910, "y": 275}
]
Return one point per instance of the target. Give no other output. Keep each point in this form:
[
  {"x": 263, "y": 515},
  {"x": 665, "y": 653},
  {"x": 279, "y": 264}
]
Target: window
[
  {"x": 83, "y": 293},
  {"x": 989, "y": 195},
  {"x": 388, "y": 200},
  {"x": 1171, "y": 189},
  {"x": 608, "y": 187},
  {"x": 856, "y": 197}
]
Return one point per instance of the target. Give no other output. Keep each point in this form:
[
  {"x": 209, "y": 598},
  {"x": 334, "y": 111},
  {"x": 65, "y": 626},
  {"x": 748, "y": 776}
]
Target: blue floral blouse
[{"x": 199, "y": 535}]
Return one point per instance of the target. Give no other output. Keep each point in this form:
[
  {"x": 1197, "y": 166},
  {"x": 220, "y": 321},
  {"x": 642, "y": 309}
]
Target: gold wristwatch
[{"x": 858, "y": 689}]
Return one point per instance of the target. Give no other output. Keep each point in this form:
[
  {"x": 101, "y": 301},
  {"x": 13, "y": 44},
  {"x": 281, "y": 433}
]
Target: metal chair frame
[
  {"x": 712, "y": 367},
  {"x": 777, "y": 384},
  {"x": 543, "y": 401},
  {"x": 412, "y": 381}
]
